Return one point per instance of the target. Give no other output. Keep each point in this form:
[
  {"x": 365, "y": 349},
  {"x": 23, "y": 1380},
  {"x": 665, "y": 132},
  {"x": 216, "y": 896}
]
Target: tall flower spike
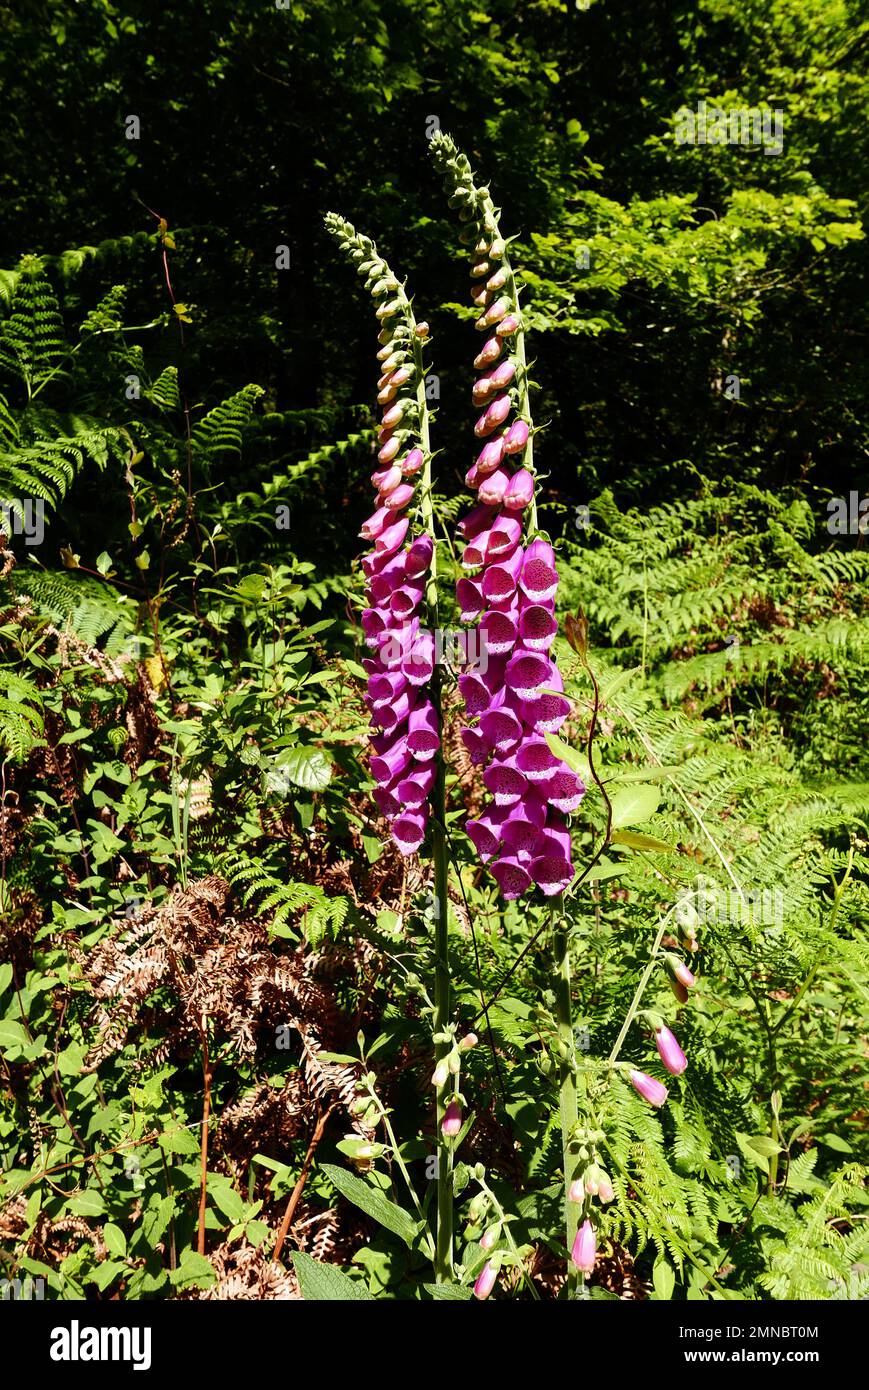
[
  {"x": 405, "y": 725},
  {"x": 509, "y": 581}
]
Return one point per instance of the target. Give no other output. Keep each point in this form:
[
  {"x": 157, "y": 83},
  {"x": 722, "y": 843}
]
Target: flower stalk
[{"x": 404, "y": 686}]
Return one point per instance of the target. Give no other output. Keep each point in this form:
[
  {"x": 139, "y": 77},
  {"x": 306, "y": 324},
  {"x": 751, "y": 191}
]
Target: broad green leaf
[
  {"x": 632, "y": 805},
  {"x": 374, "y": 1204},
  {"x": 323, "y": 1283},
  {"x": 307, "y": 767},
  {"x": 455, "y": 1293},
  {"x": 116, "y": 1241}
]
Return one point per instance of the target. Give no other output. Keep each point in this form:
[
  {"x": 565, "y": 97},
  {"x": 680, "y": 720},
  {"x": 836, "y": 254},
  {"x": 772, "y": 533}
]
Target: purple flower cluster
[
  {"x": 509, "y": 588},
  {"x": 407, "y": 731}
]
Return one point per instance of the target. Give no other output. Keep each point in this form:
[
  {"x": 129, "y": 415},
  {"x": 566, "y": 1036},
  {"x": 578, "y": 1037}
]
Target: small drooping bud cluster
[
  {"x": 591, "y": 1182},
  {"x": 447, "y": 1073},
  {"x": 407, "y": 731},
  {"x": 509, "y": 584}
]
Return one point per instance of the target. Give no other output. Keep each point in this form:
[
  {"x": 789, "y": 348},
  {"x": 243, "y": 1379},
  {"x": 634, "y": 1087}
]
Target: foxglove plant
[
  {"x": 508, "y": 589},
  {"x": 403, "y": 693},
  {"x": 510, "y": 581},
  {"x": 405, "y": 721}
]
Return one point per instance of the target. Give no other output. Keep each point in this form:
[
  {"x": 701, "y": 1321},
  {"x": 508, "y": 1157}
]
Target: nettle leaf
[
  {"x": 326, "y": 1283},
  {"x": 632, "y": 805},
  {"x": 455, "y": 1293},
  {"x": 374, "y": 1204},
  {"x": 307, "y": 767}
]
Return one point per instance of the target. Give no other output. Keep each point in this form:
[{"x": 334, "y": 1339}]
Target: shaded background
[{"x": 705, "y": 262}]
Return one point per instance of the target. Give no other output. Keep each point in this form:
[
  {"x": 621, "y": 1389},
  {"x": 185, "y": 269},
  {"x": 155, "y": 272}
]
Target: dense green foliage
[{"x": 204, "y": 928}]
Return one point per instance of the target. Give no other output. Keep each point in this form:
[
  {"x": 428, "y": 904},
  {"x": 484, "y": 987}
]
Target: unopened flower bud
[
  {"x": 440, "y": 1075},
  {"x": 468, "y": 1041},
  {"x": 605, "y": 1190},
  {"x": 486, "y": 1280},
  {"x": 655, "y": 1092},
  {"x": 584, "y": 1248},
  {"x": 452, "y": 1121},
  {"x": 421, "y": 330},
  {"x": 489, "y": 1238},
  {"x": 670, "y": 1052}
]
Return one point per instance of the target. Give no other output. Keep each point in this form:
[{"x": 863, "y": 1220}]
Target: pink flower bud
[
  {"x": 502, "y": 375},
  {"x": 398, "y": 497},
  {"x": 452, "y": 1120},
  {"x": 496, "y": 311},
  {"x": 385, "y": 479},
  {"x": 605, "y": 1191},
  {"x": 489, "y": 1238},
  {"x": 389, "y": 450},
  {"x": 684, "y": 975},
  {"x": 401, "y": 376},
  {"x": 467, "y": 1042},
  {"x": 489, "y": 353},
  {"x": 498, "y": 280},
  {"x": 584, "y": 1248},
  {"x": 520, "y": 491},
  {"x": 670, "y": 1052},
  {"x": 576, "y": 1191},
  {"x": 486, "y": 1280},
  {"x": 481, "y": 296},
  {"x": 490, "y": 457},
  {"x": 440, "y": 1075},
  {"x": 493, "y": 488},
  {"x": 421, "y": 330},
  {"x": 387, "y": 393},
  {"x": 508, "y": 326},
  {"x": 516, "y": 437},
  {"x": 679, "y": 990},
  {"x": 412, "y": 462},
  {"x": 655, "y": 1092},
  {"x": 391, "y": 417},
  {"x": 483, "y": 388}
]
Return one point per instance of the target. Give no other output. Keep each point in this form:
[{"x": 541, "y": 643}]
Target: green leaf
[
  {"x": 12, "y": 1035},
  {"x": 193, "y": 1269},
  {"x": 633, "y": 805},
  {"x": 5, "y": 976},
  {"x": 326, "y": 1283},
  {"x": 633, "y": 839},
  {"x": 576, "y": 758},
  {"x": 116, "y": 1241},
  {"x": 307, "y": 767},
  {"x": 374, "y": 1204},
  {"x": 456, "y": 1293},
  {"x": 834, "y": 1141},
  {"x": 664, "y": 1280}
]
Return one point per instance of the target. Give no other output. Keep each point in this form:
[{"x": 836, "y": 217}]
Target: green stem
[
  {"x": 567, "y": 1081},
  {"x": 444, "y": 1255},
  {"x": 641, "y": 987}
]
